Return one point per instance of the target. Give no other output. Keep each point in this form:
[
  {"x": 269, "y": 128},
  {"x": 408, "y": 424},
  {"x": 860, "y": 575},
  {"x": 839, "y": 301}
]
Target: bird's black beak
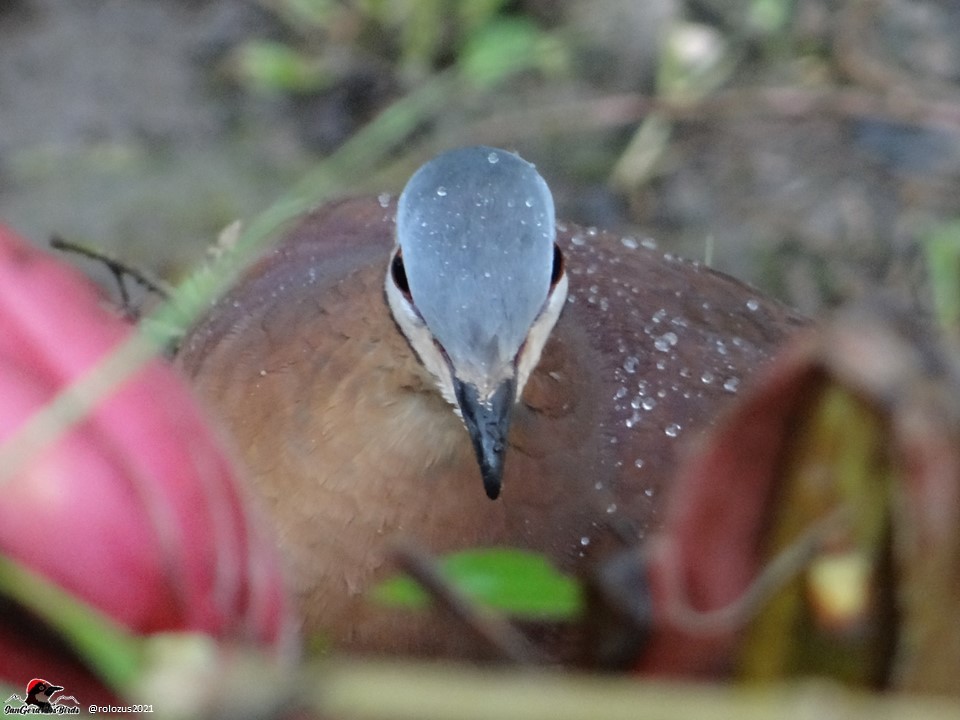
[
  {"x": 488, "y": 423},
  {"x": 53, "y": 688}
]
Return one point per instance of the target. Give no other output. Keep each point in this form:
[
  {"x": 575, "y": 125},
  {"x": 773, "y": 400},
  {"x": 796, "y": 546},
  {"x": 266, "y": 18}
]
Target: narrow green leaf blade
[{"x": 109, "y": 650}]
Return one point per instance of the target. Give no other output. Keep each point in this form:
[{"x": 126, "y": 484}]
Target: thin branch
[
  {"x": 496, "y": 632},
  {"x": 774, "y": 576},
  {"x": 116, "y": 266}
]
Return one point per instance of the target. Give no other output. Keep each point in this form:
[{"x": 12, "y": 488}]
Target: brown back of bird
[{"x": 349, "y": 444}]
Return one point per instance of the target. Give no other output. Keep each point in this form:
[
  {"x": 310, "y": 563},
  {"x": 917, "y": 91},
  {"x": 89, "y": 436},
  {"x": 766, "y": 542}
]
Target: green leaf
[
  {"x": 301, "y": 14},
  {"x": 942, "y": 246},
  {"x": 769, "y": 16},
  {"x": 519, "y": 583},
  {"x": 501, "y": 49},
  {"x": 422, "y": 33},
  {"x": 273, "y": 66}
]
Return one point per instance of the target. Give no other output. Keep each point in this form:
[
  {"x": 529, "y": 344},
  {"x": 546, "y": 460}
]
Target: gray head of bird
[{"x": 476, "y": 283}]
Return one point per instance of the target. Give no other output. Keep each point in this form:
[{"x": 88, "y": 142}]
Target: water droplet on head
[
  {"x": 629, "y": 242},
  {"x": 665, "y": 341},
  {"x": 731, "y": 384},
  {"x": 631, "y": 364},
  {"x": 707, "y": 377},
  {"x": 493, "y": 158},
  {"x": 577, "y": 239},
  {"x": 649, "y": 243},
  {"x": 621, "y": 392},
  {"x": 442, "y": 191},
  {"x": 528, "y": 202},
  {"x": 752, "y": 305},
  {"x": 584, "y": 541},
  {"x": 638, "y": 463},
  {"x": 383, "y": 199},
  {"x": 672, "y": 430},
  {"x": 611, "y": 508},
  {"x": 648, "y": 403}
]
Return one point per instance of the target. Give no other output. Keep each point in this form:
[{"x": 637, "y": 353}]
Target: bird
[
  {"x": 39, "y": 693},
  {"x": 460, "y": 368}
]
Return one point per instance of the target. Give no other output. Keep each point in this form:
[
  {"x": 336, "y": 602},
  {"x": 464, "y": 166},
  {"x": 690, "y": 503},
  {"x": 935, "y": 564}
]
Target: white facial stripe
[
  {"x": 421, "y": 339},
  {"x": 539, "y": 332}
]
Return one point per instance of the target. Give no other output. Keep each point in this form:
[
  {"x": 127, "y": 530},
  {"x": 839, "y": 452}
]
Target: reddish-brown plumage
[{"x": 350, "y": 443}]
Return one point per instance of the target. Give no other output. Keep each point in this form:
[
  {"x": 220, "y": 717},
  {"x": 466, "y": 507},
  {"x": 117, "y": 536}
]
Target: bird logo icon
[{"x": 39, "y": 693}]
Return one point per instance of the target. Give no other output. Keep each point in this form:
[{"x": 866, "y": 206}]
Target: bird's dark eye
[
  {"x": 399, "y": 274},
  {"x": 557, "y": 271}
]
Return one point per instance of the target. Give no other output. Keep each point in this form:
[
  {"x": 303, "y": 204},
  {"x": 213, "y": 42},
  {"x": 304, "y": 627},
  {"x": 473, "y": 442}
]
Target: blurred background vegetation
[{"x": 811, "y": 147}]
